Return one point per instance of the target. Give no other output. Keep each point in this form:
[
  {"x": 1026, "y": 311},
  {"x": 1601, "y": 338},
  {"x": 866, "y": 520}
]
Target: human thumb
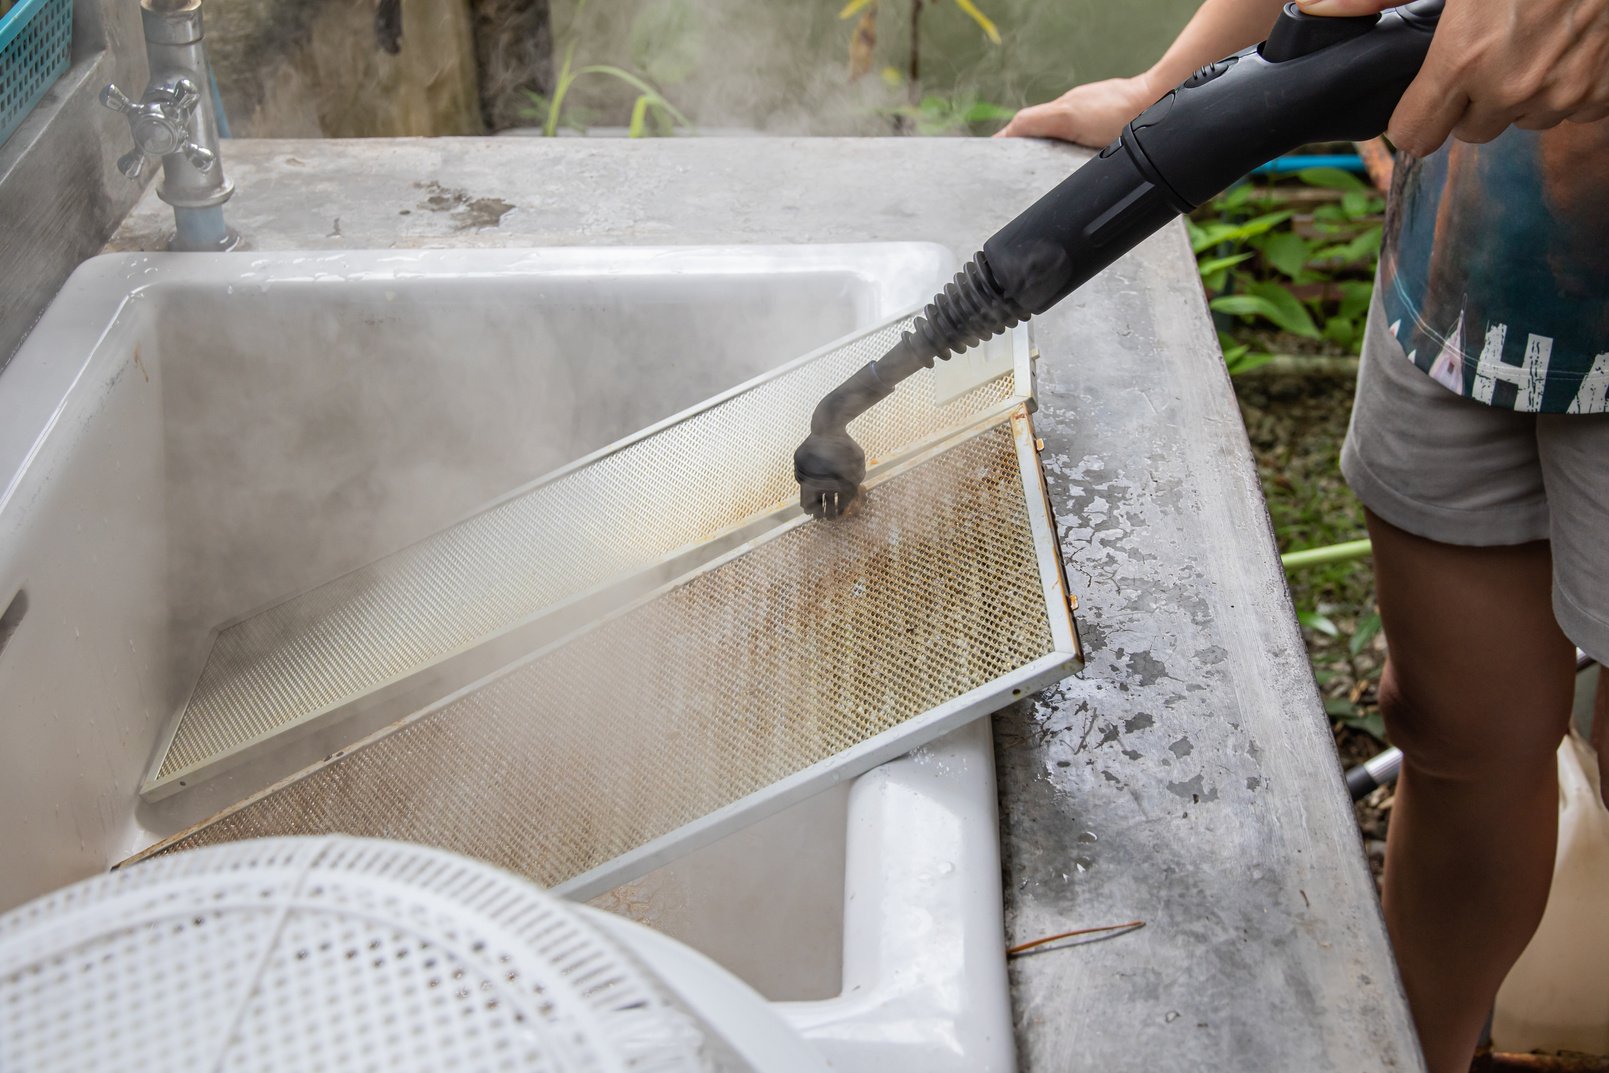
[{"x": 1345, "y": 7}]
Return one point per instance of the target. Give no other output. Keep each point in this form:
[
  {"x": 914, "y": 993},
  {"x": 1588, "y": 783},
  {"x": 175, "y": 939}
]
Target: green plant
[
  {"x": 951, "y": 115},
  {"x": 1347, "y": 677},
  {"x": 985, "y": 23},
  {"x": 959, "y": 113},
  {"x": 922, "y": 113},
  {"x": 1308, "y": 276},
  {"x": 650, "y": 112}
]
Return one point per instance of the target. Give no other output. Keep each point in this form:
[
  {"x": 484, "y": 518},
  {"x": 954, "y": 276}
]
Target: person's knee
[
  {"x": 1468, "y": 736},
  {"x": 1600, "y": 732}
]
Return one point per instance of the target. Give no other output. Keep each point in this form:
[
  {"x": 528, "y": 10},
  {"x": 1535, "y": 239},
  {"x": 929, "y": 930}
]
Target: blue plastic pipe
[
  {"x": 1286, "y": 164},
  {"x": 217, "y": 105}
]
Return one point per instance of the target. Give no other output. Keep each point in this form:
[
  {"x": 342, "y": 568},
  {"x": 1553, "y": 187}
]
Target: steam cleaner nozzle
[
  {"x": 1315, "y": 79},
  {"x": 829, "y": 465}
]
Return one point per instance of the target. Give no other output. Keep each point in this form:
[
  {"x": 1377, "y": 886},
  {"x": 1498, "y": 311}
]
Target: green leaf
[
  {"x": 1243, "y": 359},
  {"x": 639, "y": 117},
  {"x": 1332, "y": 179},
  {"x": 537, "y": 106},
  {"x": 1212, "y": 234},
  {"x": 561, "y": 86},
  {"x": 984, "y": 22},
  {"x": 1318, "y": 622},
  {"x": 1271, "y": 302},
  {"x": 1242, "y": 305},
  {"x": 1329, "y": 214},
  {"x": 1343, "y": 332},
  {"x": 1340, "y": 708},
  {"x": 985, "y": 111},
  {"x": 1356, "y": 203},
  {"x": 639, "y": 84},
  {"x": 1259, "y": 224},
  {"x": 1371, "y": 724},
  {"x": 1355, "y": 297},
  {"x": 1287, "y": 252},
  {"x": 1236, "y": 197},
  {"x": 1292, "y": 314},
  {"x": 1367, "y": 630},
  {"x": 1362, "y": 247},
  {"x": 1218, "y": 264},
  {"x": 1215, "y": 270}
]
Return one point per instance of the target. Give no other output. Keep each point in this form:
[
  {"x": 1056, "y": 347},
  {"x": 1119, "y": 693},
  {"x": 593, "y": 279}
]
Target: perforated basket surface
[
  {"x": 615, "y": 516},
  {"x": 327, "y": 954},
  {"x": 36, "y": 40},
  {"x": 820, "y": 638}
]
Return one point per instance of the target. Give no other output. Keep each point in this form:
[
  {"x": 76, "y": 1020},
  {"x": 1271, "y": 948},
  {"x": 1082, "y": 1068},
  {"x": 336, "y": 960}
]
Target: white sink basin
[{"x": 185, "y": 438}]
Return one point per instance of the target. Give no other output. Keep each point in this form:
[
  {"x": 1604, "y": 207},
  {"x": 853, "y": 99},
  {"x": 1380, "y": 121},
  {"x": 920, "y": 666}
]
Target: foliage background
[{"x": 783, "y": 66}]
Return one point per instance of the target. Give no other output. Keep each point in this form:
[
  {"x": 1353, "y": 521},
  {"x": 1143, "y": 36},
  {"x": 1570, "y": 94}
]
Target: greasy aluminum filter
[
  {"x": 808, "y": 656},
  {"x": 426, "y": 620}
]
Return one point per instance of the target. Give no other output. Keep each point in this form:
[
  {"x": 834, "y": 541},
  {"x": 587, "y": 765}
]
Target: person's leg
[
  {"x": 1477, "y": 695},
  {"x": 1478, "y": 686}
]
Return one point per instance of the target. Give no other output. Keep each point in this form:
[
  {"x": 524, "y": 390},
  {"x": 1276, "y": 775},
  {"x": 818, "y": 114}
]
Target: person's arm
[
  {"x": 1095, "y": 113},
  {"x": 1530, "y": 63}
]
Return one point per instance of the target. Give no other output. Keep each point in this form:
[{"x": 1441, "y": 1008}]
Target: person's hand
[
  {"x": 1530, "y": 63},
  {"x": 1091, "y": 114}
]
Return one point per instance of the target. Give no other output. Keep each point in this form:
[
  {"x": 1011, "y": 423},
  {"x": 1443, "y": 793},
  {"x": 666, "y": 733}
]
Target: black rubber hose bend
[{"x": 970, "y": 309}]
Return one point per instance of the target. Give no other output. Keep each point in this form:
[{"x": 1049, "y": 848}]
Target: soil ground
[{"x": 1296, "y": 424}]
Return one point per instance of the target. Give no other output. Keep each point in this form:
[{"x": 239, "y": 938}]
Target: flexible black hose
[{"x": 971, "y": 308}]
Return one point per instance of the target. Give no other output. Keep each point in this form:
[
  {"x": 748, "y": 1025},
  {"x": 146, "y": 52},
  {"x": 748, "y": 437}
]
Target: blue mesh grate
[{"x": 35, "y": 39}]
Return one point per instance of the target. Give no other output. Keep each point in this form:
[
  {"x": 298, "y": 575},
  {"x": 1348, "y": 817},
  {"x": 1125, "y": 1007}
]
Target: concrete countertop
[{"x": 1187, "y": 777}]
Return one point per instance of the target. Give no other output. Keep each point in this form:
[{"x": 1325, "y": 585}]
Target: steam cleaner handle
[{"x": 1313, "y": 80}]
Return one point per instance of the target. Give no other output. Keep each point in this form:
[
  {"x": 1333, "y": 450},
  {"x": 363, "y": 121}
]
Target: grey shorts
[{"x": 1460, "y": 472}]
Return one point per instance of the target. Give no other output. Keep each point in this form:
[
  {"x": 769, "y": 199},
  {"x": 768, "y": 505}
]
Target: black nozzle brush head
[{"x": 829, "y": 467}]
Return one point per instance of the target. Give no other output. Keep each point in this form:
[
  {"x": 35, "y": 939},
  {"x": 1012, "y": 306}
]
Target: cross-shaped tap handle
[
  {"x": 160, "y": 124},
  {"x": 183, "y": 96},
  {"x": 131, "y": 164},
  {"x": 199, "y": 158},
  {"x": 116, "y": 99}
]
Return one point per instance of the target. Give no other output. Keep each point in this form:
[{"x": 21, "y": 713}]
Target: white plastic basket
[{"x": 355, "y": 955}]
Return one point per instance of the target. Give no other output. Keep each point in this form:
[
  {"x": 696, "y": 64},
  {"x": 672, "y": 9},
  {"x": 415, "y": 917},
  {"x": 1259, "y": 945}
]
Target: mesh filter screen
[
  {"x": 816, "y": 640},
  {"x": 617, "y": 515}
]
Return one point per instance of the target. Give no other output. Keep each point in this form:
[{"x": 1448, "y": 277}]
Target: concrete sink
[{"x": 186, "y": 438}]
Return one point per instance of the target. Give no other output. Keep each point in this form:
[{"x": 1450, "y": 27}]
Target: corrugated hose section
[
  {"x": 817, "y": 639},
  {"x": 609, "y": 519}
]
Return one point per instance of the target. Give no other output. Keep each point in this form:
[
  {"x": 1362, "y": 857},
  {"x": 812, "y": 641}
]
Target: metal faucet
[{"x": 174, "y": 122}]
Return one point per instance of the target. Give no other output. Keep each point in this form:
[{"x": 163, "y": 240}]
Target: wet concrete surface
[{"x": 1187, "y": 777}]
